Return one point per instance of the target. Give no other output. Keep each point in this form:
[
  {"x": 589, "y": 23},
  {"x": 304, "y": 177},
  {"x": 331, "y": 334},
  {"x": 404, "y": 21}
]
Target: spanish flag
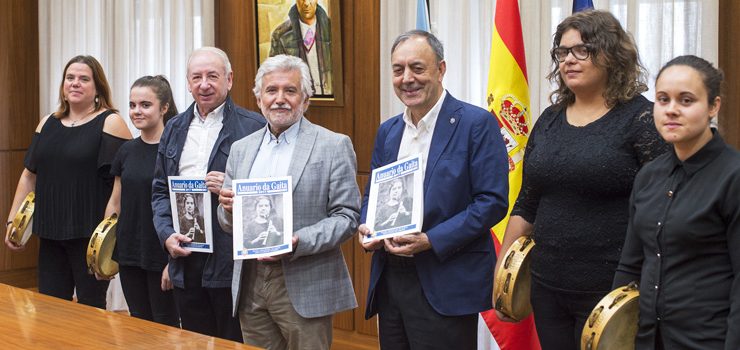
[{"x": 508, "y": 101}]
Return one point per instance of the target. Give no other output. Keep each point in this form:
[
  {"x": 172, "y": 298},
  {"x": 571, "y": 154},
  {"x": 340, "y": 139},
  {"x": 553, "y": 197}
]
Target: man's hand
[
  {"x": 214, "y": 181},
  {"x": 11, "y": 245},
  {"x": 166, "y": 282},
  {"x": 281, "y": 256},
  {"x": 226, "y": 198},
  {"x": 364, "y": 231},
  {"x": 409, "y": 244},
  {"x": 173, "y": 245}
]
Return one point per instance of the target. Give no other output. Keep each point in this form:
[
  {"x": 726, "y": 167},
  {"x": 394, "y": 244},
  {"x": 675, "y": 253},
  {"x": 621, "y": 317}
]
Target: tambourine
[
  {"x": 99, "y": 255},
  {"x": 20, "y": 229},
  {"x": 612, "y": 324},
  {"x": 513, "y": 280}
]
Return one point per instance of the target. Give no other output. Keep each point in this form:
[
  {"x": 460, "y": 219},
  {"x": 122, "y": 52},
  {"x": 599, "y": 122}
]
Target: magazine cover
[
  {"x": 263, "y": 217},
  {"x": 396, "y": 199},
  {"x": 191, "y": 211}
]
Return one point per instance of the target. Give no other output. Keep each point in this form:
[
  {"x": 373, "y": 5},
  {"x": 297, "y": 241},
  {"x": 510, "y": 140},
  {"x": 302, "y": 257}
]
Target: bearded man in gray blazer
[{"x": 287, "y": 302}]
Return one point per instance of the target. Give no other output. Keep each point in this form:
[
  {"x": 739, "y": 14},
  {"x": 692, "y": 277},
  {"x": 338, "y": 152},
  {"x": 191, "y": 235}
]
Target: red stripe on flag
[{"x": 509, "y": 26}]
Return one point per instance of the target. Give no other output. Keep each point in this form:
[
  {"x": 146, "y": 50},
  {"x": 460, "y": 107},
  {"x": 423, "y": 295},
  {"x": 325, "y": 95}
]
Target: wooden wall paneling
[
  {"x": 367, "y": 81},
  {"x": 367, "y": 118},
  {"x": 19, "y": 115},
  {"x": 729, "y": 35},
  {"x": 19, "y": 73},
  {"x": 235, "y": 34}
]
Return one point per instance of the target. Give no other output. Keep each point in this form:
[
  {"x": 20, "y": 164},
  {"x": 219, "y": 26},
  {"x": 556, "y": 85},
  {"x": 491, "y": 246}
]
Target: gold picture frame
[{"x": 282, "y": 28}]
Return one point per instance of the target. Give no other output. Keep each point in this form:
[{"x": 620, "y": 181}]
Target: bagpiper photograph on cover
[
  {"x": 191, "y": 212},
  {"x": 396, "y": 199},
  {"x": 263, "y": 217}
]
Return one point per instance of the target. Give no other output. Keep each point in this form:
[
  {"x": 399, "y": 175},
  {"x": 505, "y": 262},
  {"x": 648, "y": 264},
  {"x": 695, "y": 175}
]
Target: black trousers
[
  {"x": 407, "y": 321},
  {"x": 62, "y": 269},
  {"x": 208, "y": 311},
  {"x": 560, "y": 315},
  {"x": 145, "y": 297},
  {"x": 205, "y": 310}
]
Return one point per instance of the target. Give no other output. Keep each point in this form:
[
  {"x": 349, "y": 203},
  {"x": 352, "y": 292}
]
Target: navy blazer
[
  {"x": 237, "y": 123},
  {"x": 465, "y": 194}
]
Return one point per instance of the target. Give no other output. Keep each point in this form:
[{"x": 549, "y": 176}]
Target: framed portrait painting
[{"x": 311, "y": 30}]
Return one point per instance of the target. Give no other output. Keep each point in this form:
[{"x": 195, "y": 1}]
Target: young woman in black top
[
  {"x": 67, "y": 165},
  {"x": 579, "y": 165},
  {"x": 683, "y": 241},
  {"x": 141, "y": 259}
]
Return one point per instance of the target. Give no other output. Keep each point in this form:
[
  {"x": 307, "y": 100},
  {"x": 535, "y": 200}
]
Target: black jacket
[{"x": 237, "y": 123}]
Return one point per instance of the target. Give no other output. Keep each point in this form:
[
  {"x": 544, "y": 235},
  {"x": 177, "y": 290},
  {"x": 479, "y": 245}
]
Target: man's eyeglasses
[{"x": 580, "y": 52}]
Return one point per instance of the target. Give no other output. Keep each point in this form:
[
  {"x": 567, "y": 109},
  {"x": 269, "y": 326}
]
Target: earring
[{"x": 97, "y": 101}]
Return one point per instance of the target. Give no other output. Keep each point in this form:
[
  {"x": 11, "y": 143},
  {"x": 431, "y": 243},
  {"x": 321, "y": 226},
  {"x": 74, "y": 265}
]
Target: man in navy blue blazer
[{"x": 428, "y": 288}]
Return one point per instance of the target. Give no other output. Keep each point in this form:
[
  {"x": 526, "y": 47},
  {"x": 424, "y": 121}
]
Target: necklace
[{"x": 74, "y": 122}]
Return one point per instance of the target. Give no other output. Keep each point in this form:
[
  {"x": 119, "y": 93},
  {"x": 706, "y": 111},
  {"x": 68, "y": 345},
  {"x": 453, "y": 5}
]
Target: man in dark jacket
[{"x": 196, "y": 143}]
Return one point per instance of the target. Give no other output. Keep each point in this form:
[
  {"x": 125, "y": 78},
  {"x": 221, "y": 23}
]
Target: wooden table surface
[{"x": 30, "y": 320}]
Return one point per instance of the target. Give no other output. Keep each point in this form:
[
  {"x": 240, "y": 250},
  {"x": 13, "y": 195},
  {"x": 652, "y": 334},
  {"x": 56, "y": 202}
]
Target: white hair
[
  {"x": 284, "y": 63},
  {"x": 214, "y": 50}
]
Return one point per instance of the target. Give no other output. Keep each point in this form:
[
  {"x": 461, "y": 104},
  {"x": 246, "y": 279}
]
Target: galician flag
[{"x": 508, "y": 101}]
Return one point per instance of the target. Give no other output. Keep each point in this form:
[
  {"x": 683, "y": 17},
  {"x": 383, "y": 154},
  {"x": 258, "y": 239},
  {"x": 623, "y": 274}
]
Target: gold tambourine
[
  {"x": 513, "y": 280},
  {"x": 100, "y": 250},
  {"x": 20, "y": 229},
  {"x": 612, "y": 324}
]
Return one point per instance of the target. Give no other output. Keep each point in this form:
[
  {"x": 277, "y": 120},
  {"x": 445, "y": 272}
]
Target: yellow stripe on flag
[{"x": 508, "y": 100}]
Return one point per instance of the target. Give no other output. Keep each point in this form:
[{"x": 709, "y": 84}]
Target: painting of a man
[{"x": 307, "y": 34}]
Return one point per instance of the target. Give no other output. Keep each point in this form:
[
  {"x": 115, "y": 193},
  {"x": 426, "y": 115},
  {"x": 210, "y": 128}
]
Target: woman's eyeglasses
[{"x": 580, "y": 52}]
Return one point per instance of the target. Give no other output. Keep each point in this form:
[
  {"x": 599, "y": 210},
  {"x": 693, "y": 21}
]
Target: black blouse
[
  {"x": 683, "y": 245},
  {"x": 576, "y": 186},
  {"x": 73, "y": 183},
  {"x": 137, "y": 243}
]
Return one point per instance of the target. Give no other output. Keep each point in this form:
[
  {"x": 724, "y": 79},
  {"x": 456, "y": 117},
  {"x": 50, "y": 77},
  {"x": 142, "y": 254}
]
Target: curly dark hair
[{"x": 611, "y": 48}]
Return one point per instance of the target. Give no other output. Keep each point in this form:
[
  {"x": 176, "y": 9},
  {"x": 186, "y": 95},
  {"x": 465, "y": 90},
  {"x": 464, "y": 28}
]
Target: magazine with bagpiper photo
[
  {"x": 263, "y": 217},
  {"x": 191, "y": 211},
  {"x": 396, "y": 199}
]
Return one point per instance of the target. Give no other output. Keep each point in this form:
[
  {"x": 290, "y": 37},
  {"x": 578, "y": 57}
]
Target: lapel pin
[{"x": 452, "y": 120}]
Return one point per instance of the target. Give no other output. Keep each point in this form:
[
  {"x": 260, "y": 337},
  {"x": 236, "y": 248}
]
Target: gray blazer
[{"x": 326, "y": 210}]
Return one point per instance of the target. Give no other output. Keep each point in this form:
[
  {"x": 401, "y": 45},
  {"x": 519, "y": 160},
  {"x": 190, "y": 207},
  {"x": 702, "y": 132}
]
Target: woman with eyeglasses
[{"x": 579, "y": 165}]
